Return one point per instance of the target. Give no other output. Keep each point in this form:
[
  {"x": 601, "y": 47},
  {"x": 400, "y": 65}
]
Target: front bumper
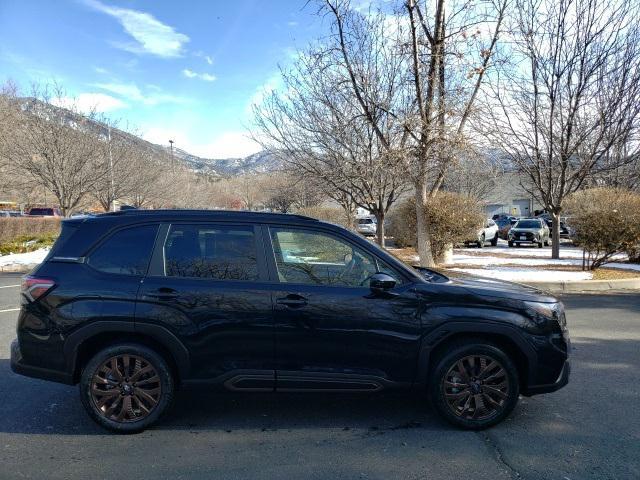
[
  {"x": 20, "y": 367},
  {"x": 562, "y": 380}
]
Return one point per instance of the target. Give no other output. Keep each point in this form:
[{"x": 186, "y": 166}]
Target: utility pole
[
  {"x": 172, "y": 160},
  {"x": 113, "y": 187}
]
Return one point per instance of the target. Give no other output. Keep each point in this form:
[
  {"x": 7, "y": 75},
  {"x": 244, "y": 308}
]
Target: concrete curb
[{"x": 587, "y": 285}]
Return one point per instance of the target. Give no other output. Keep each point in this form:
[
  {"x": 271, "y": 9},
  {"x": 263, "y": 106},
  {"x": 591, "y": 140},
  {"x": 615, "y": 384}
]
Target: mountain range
[{"x": 260, "y": 162}]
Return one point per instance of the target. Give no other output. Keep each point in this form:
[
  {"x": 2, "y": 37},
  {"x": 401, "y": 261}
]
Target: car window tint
[
  {"x": 218, "y": 252},
  {"x": 320, "y": 259},
  {"x": 126, "y": 252}
]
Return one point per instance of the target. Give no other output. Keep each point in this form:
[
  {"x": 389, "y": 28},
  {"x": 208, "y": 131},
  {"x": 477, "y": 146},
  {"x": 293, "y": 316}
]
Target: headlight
[{"x": 549, "y": 310}]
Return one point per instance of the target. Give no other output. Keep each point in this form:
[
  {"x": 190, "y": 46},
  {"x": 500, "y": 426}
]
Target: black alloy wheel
[
  {"x": 126, "y": 387},
  {"x": 474, "y": 385}
]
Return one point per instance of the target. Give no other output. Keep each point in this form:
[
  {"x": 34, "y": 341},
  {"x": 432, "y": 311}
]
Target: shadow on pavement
[{"x": 32, "y": 406}]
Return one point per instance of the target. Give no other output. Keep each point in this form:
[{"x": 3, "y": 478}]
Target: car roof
[{"x": 133, "y": 216}]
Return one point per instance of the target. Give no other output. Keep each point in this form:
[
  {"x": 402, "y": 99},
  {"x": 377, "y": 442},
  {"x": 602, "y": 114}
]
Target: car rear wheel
[
  {"x": 494, "y": 242},
  {"x": 474, "y": 385},
  {"x": 511, "y": 244},
  {"x": 126, "y": 387}
]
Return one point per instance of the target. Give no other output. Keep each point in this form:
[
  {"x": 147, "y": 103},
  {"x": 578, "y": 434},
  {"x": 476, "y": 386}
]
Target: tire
[
  {"x": 494, "y": 242},
  {"x": 484, "y": 414},
  {"x": 481, "y": 241},
  {"x": 540, "y": 244},
  {"x": 145, "y": 405}
]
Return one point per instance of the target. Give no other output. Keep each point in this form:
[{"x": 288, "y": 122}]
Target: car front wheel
[
  {"x": 126, "y": 387},
  {"x": 474, "y": 385}
]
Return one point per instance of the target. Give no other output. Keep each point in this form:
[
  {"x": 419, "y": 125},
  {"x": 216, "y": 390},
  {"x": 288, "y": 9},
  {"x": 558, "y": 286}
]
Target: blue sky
[{"x": 185, "y": 70}]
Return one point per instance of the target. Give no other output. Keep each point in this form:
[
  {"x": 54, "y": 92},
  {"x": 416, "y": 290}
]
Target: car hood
[{"x": 486, "y": 287}]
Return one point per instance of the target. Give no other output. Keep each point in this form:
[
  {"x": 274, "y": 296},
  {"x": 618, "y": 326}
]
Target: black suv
[{"x": 135, "y": 304}]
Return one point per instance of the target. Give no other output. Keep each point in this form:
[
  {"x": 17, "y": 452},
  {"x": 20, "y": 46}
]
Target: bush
[
  {"x": 23, "y": 234},
  {"x": 27, "y": 243},
  {"x": 606, "y": 222},
  {"x": 452, "y": 218},
  {"x": 327, "y": 214},
  {"x": 13, "y": 228}
]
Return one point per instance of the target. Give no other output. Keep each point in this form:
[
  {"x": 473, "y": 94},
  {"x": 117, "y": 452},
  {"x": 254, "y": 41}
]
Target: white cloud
[
  {"x": 202, "y": 76},
  {"x": 231, "y": 144},
  {"x": 100, "y": 70},
  {"x": 151, "y": 35},
  {"x": 208, "y": 59},
  {"x": 292, "y": 24},
  {"x": 87, "y": 102},
  {"x": 132, "y": 92}
]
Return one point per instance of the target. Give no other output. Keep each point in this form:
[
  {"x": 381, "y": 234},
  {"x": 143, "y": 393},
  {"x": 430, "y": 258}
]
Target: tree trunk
[
  {"x": 422, "y": 228},
  {"x": 555, "y": 230},
  {"x": 380, "y": 228}
]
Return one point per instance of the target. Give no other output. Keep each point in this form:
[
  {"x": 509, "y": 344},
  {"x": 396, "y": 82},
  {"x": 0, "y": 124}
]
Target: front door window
[{"x": 317, "y": 258}]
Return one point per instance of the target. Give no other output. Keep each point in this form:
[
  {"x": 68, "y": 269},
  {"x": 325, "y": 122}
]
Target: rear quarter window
[{"x": 126, "y": 252}]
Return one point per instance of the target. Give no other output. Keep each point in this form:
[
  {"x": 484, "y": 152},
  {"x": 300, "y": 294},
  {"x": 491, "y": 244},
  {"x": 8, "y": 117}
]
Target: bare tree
[
  {"x": 570, "y": 95},
  {"x": 445, "y": 58},
  {"x": 318, "y": 127},
  {"x": 122, "y": 158},
  {"x": 473, "y": 174},
  {"x": 53, "y": 147}
]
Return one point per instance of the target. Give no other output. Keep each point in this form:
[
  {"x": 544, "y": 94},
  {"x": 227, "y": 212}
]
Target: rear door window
[
  {"x": 218, "y": 252},
  {"x": 126, "y": 252}
]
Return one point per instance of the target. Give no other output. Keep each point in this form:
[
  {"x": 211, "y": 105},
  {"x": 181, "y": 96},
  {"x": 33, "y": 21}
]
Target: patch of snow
[
  {"x": 523, "y": 274},
  {"x": 29, "y": 258},
  {"x": 624, "y": 266},
  {"x": 487, "y": 260},
  {"x": 531, "y": 251}
]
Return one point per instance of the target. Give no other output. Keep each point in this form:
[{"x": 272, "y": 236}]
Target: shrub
[
  {"x": 27, "y": 243},
  {"x": 328, "y": 214},
  {"x": 606, "y": 222},
  {"x": 12, "y": 228},
  {"x": 452, "y": 218}
]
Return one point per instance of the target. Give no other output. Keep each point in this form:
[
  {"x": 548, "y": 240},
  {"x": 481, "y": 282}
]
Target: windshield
[{"x": 528, "y": 224}]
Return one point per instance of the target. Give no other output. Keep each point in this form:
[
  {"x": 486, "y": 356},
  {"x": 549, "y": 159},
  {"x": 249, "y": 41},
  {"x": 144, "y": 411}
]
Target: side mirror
[{"x": 381, "y": 282}]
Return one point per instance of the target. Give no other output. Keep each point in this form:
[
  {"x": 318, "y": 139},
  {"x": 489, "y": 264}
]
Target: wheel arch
[
  {"x": 83, "y": 343},
  {"x": 503, "y": 336}
]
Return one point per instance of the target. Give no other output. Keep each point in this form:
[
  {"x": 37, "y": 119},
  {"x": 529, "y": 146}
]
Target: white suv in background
[
  {"x": 366, "y": 226},
  {"x": 488, "y": 233}
]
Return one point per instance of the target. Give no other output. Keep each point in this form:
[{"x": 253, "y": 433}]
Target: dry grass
[
  {"x": 406, "y": 255},
  {"x": 605, "y": 273},
  {"x": 12, "y": 229}
]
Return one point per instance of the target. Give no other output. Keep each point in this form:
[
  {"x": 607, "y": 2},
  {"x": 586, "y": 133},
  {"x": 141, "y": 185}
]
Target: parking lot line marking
[
  {"x": 10, "y": 310},
  {"x": 9, "y": 286}
]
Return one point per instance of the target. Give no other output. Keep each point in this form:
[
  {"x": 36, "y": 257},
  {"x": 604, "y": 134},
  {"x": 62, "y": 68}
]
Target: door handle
[
  {"x": 292, "y": 301},
  {"x": 163, "y": 293}
]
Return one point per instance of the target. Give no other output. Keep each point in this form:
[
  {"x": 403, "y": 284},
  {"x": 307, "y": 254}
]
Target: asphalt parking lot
[{"x": 590, "y": 429}]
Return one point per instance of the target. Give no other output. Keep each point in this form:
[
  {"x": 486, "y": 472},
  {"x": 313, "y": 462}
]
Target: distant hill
[{"x": 260, "y": 162}]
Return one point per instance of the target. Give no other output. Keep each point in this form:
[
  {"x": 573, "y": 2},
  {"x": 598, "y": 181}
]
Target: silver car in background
[
  {"x": 533, "y": 231},
  {"x": 366, "y": 226}
]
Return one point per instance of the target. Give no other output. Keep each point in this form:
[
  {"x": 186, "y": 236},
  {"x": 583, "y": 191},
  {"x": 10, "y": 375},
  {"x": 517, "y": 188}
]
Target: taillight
[{"x": 35, "y": 287}]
